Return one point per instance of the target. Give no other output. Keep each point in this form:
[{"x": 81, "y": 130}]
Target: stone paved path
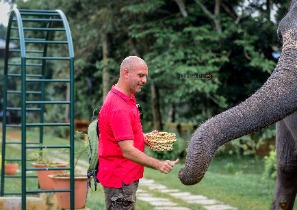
[{"x": 159, "y": 203}]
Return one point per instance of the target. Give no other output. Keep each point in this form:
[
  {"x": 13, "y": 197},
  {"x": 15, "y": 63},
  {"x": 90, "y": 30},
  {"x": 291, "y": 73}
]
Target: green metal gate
[{"x": 39, "y": 69}]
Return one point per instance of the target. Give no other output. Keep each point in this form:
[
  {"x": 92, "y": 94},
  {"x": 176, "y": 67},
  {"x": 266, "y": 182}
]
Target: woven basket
[{"x": 160, "y": 141}]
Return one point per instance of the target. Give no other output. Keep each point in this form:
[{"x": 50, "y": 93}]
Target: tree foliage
[{"x": 203, "y": 56}]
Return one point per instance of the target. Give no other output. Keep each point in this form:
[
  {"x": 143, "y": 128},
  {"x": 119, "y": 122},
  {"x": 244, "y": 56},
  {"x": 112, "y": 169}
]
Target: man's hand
[
  {"x": 135, "y": 155},
  {"x": 145, "y": 139},
  {"x": 167, "y": 166}
]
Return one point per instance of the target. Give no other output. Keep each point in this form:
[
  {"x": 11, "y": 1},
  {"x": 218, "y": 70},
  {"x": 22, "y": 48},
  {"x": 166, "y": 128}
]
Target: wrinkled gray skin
[{"x": 275, "y": 101}]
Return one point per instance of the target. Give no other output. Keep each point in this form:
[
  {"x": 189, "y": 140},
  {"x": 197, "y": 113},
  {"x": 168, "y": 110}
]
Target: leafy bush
[
  {"x": 229, "y": 168},
  {"x": 270, "y": 166},
  {"x": 248, "y": 144}
]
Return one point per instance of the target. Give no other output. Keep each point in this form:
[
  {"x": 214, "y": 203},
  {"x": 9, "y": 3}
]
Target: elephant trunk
[{"x": 276, "y": 99}]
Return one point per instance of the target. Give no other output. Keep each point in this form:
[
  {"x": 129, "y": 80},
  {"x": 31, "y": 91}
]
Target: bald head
[
  {"x": 133, "y": 74},
  {"x": 131, "y": 62}
]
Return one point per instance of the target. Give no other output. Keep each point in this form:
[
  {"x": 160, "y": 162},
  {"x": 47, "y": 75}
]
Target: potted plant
[
  {"x": 42, "y": 159},
  {"x": 10, "y": 168},
  {"x": 62, "y": 181}
]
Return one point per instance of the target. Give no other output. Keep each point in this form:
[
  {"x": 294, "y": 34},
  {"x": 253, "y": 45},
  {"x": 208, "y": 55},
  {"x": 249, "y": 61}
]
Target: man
[{"x": 121, "y": 148}]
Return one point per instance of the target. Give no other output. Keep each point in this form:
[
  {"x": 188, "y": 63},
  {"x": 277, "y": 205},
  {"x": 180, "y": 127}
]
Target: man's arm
[{"x": 135, "y": 155}]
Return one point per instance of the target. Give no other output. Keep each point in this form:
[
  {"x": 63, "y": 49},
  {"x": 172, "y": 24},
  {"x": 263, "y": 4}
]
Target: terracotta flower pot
[
  {"x": 11, "y": 168},
  {"x": 63, "y": 183},
  {"x": 44, "y": 181}
]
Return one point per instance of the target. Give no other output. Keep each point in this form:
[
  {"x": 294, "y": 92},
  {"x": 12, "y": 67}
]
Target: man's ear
[{"x": 126, "y": 72}]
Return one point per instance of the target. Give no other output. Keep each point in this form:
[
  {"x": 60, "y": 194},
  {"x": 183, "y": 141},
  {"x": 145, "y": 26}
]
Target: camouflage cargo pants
[{"x": 121, "y": 198}]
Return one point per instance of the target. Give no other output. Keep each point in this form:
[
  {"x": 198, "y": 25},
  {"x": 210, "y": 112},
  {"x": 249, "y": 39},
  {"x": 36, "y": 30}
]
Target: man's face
[{"x": 137, "y": 78}]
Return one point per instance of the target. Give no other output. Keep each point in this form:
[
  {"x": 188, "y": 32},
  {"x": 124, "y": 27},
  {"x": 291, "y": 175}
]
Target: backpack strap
[
  {"x": 94, "y": 116},
  {"x": 90, "y": 174},
  {"x": 93, "y": 167}
]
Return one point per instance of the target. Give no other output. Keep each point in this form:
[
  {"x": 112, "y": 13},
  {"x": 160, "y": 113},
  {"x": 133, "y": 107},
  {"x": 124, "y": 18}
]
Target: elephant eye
[{"x": 279, "y": 36}]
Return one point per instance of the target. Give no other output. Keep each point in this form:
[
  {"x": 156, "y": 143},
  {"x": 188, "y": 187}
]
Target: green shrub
[
  {"x": 229, "y": 168},
  {"x": 248, "y": 144},
  {"x": 270, "y": 166}
]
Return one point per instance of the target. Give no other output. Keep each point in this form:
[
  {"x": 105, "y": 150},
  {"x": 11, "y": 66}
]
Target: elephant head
[{"x": 276, "y": 99}]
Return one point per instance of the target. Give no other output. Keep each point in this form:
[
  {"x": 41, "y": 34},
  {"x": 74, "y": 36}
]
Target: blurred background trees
[{"x": 203, "y": 56}]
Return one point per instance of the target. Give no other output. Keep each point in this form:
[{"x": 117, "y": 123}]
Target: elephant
[{"x": 274, "y": 102}]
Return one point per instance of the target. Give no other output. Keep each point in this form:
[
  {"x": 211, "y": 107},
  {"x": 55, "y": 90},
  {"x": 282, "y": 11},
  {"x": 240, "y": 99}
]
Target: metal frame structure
[{"x": 35, "y": 33}]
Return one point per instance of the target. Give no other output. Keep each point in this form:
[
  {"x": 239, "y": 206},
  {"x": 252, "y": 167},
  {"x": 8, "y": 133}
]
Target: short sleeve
[{"x": 121, "y": 125}]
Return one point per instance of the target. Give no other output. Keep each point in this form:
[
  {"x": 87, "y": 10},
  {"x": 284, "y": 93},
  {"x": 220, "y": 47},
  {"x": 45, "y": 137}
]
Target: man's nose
[{"x": 144, "y": 79}]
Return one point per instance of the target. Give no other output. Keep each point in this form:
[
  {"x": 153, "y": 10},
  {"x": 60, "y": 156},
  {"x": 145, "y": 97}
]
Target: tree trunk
[
  {"x": 268, "y": 9},
  {"x": 172, "y": 113},
  {"x": 105, "y": 71},
  {"x": 157, "y": 120},
  {"x": 216, "y": 20},
  {"x": 182, "y": 7},
  {"x": 213, "y": 16}
]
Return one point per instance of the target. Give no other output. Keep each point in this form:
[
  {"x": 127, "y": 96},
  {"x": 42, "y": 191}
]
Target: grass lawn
[
  {"x": 242, "y": 188},
  {"x": 244, "y": 191},
  {"x": 232, "y": 180}
]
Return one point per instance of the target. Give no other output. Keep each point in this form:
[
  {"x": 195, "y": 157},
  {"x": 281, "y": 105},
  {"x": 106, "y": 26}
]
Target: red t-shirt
[{"x": 119, "y": 120}]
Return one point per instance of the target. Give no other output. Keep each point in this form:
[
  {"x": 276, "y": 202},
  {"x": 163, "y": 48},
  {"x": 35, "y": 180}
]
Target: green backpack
[{"x": 93, "y": 137}]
